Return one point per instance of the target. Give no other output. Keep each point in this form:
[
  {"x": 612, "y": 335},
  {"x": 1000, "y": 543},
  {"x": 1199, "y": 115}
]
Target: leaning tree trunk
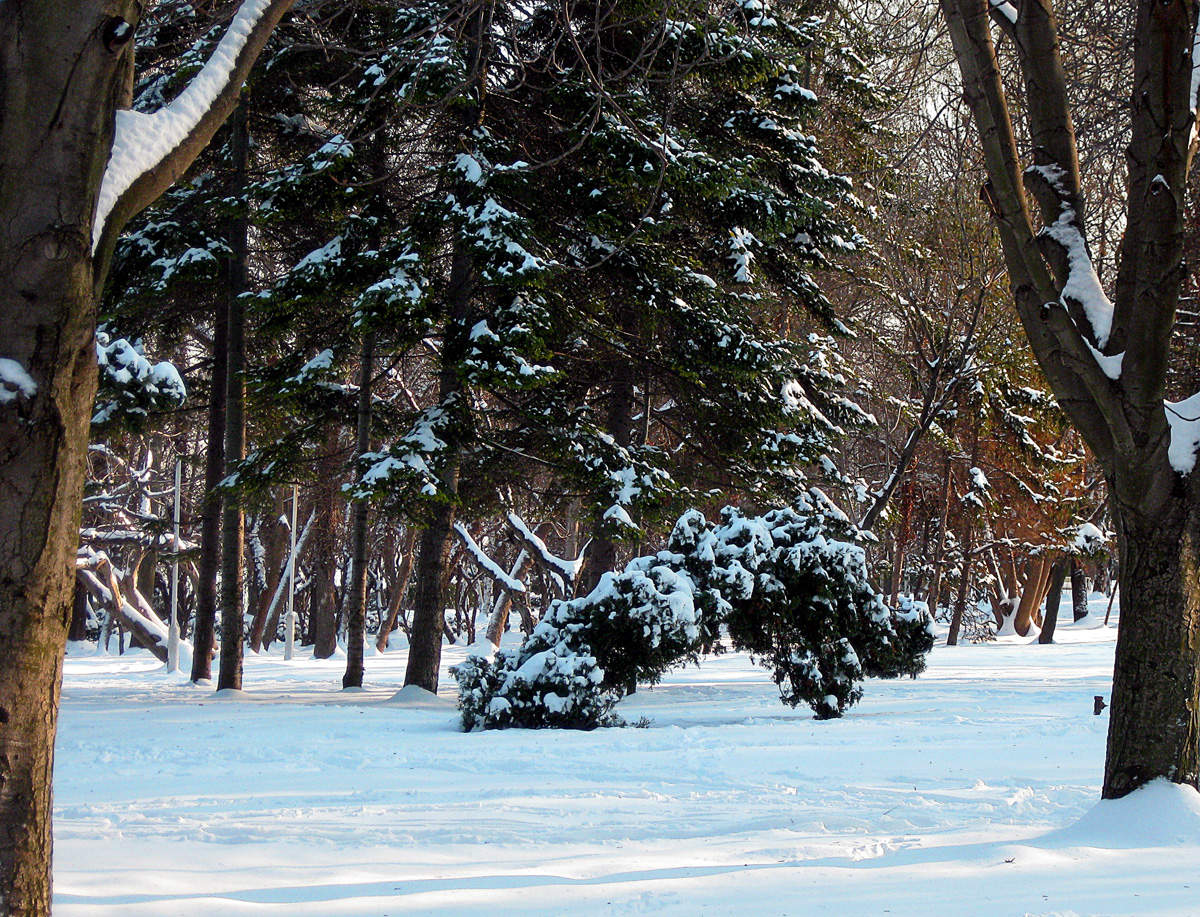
[{"x": 1156, "y": 679}]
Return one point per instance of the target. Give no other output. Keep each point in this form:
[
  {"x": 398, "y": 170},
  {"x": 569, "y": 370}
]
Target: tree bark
[
  {"x": 428, "y": 622},
  {"x": 322, "y": 616},
  {"x": 356, "y": 608},
  {"x": 425, "y": 644},
  {"x": 399, "y": 588},
  {"x": 935, "y": 587},
  {"x": 274, "y": 555},
  {"x": 1156, "y": 679},
  {"x": 233, "y": 532},
  {"x": 204, "y": 638},
  {"x": 964, "y": 584},
  {"x": 1058, "y": 573},
  {"x": 64, "y": 70},
  {"x": 1079, "y": 597}
]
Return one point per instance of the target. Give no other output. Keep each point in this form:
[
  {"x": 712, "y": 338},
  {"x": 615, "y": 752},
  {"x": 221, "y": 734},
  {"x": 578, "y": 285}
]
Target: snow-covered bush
[
  {"x": 790, "y": 586},
  {"x": 585, "y": 654},
  {"x": 812, "y": 615},
  {"x": 546, "y": 683}
]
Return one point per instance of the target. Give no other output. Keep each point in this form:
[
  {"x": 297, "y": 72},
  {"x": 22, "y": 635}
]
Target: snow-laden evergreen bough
[{"x": 789, "y": 586}]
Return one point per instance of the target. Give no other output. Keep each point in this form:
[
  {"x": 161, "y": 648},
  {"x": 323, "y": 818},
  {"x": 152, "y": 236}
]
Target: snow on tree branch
[
  {"x": 1184, "y": 420},
  {"x": 493, "y": 569},
  {"x": 566, "y": 568},
  {"x": 143, "y": 141}
]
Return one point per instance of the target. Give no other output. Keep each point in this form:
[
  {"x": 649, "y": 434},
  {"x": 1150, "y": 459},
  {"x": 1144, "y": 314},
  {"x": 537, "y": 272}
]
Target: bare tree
[
  {"x": 72, "y": 173},
  {"x": 1107, "y": 361}
]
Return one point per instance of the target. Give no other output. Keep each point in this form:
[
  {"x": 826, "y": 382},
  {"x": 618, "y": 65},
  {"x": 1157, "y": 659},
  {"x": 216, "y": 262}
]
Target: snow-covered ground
[{"x": 972, "y": 790}]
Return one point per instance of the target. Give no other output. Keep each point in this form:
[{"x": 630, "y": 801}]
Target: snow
[
  {"x": 511, "y": 583},
  {"x": 142, "y": 141},
  {"x": 1005, "y": 9},
  {"x": 1184, "y": 420},
  {"x": 977, "y": 782},
  {"x": 14, "y": 381},
  {"x": 1088, "y": 539},
  {"x": 1082, "y": 284}
]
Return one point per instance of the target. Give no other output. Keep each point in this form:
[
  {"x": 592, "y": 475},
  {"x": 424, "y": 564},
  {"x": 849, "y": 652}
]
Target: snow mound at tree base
[
  {"x": 417, "y": 698},
  {"x": 1159, "y": 814}
]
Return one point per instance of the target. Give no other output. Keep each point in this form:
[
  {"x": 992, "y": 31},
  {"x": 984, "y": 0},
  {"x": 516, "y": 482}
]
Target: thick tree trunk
[
  {"x": 1058, "y": 574},
  {"x": 58, "y": 87},
  {"x": 429, "y": 621},
  {"x": 204, "y": 639},
  {"x": 1156, "y": 680},
  {"x": 233, "y": 525},
  {"x": 64, "y": 70},
  {"x": 356, "y": 607},
  {"x": 425, "y": 644}
]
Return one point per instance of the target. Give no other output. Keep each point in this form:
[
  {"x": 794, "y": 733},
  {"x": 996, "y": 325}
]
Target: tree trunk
[
  {"x": 935, "y": 587},
  {"x": 900, "y": 542},
  {"x": 1037, "y": 574},
  {"x": 322, "y": 599},
  {"x": 274, "y": 556},
  {"x": 64, "y": 70},
  {"x": 1152, "y": 729},
  {"x": 399, "y": 588},
  {"x": 1058, "y": 573},
  {"x": 79, "y": 608},
  {"x": 964, "y": 583},
  {"x": 1079, "y": 596},
  {"x": 204, "y": 638},
  {"x": 356, "y": 608},
  {"x": 428, "y": 624},
  {"x": 429, "y": 621},
  {"x": 602, "y": 553},
  {"x": 58, "y": 88},
  {"x": 233, "y": 527}
]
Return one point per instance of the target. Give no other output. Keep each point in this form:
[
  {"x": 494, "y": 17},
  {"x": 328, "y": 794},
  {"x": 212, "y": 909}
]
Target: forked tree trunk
[{"x": 1156, "y": 679}]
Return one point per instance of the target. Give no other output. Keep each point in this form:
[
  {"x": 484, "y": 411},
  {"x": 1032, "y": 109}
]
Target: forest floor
[{"x": 972, "y": 790}]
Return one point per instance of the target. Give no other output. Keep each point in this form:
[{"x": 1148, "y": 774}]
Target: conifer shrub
[{"x": 791, "y": 587}]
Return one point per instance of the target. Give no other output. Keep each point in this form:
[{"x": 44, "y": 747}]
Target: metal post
[
  {"x": 173, "y": 622},
  {"x": 289, "y": 645}
]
